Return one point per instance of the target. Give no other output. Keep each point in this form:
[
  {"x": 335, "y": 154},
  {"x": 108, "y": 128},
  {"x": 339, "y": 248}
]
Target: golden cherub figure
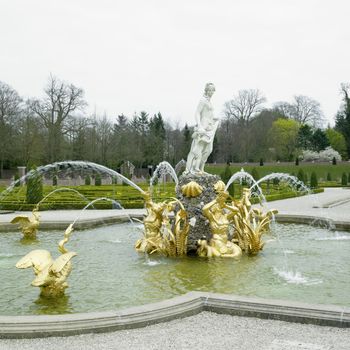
[
  {"x": 28, "y": 225},
  {"x": 50, "y": 274}
]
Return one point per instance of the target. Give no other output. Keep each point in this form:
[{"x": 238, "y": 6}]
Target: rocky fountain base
[{"x": 199, "y": 227}]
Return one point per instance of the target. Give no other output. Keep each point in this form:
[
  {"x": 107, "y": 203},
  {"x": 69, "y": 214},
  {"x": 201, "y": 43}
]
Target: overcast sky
[{"x": 157, "y": 55}]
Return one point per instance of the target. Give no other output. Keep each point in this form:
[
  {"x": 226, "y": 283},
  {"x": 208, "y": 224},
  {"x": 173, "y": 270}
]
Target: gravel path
[{"x": 203, "y": 331}]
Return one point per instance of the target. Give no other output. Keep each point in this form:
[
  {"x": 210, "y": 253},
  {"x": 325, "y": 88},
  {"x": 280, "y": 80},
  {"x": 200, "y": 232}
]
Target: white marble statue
[{"x": 204, "y": 132}]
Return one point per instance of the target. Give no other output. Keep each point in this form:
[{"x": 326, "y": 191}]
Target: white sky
[{"x": 157, "y": 55}]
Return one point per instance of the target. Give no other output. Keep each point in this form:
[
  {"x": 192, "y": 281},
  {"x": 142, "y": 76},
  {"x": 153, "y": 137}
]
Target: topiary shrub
[
  {"x": 54, "y": 180},
  {"x": 301, "y": 175},
  {"x": 255, "y": 174},
  {"x": 225, "y": 177},
  {"x": 87, "y": 180},
  {"x": 344, "y": 179},
  {"x": 98, "y": 180},
  {"x": 313, "y": 180},
  {"x": 34, "y": 187},
  {"x": 17, "y": 183}
]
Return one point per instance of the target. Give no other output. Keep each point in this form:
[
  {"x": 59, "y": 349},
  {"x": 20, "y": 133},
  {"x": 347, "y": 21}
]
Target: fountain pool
[{"x": 108, "y": 274}]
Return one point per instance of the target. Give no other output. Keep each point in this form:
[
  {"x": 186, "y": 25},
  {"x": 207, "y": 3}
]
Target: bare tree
[
  {"x": 304, "y": 110},
  {"x": 10, "y": 106},
  {"x": 244, "y": 106},
  {"x": 60, "y": 102},
  {"x": 242, "y": 109}
]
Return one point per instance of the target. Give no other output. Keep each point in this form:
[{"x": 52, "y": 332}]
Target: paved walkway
[{"x": 208, "y": 330}]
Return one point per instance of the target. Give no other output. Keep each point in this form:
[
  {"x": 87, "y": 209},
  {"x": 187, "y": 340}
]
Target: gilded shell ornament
[{"x": 192, "y": 189}]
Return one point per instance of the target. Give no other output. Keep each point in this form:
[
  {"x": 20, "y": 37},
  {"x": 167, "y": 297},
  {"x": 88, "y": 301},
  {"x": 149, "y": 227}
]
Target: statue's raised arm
[{"x": 204, "y": 132}]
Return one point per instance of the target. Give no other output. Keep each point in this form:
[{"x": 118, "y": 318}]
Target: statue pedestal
[{"x": 199, "y": 225}]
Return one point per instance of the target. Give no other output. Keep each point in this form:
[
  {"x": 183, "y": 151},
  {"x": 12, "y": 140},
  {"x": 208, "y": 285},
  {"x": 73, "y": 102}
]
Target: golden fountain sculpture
[
  {"x": 50, "y": 274},
  {"x": 161, "y": 234},
  {"x": 220, "y": 215},
  {"x": 250, "y": 224},
  {"x": 28, "y": 225}
]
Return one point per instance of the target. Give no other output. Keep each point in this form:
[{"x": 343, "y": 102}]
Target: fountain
[{"x": 202, "y": 220}]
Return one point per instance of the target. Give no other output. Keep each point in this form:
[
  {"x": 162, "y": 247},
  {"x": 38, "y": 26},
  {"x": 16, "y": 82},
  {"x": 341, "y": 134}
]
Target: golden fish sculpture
[
  {"x": 28, "y": 225},
  {"x": 50, "y": 275}
]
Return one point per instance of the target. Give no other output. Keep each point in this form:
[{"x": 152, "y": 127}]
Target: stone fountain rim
[
  {"x": 182, "y": 306},
  {"x": 83, "y": 224}
]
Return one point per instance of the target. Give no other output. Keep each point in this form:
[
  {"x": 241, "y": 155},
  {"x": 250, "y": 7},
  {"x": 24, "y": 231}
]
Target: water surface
[{"x": 298, "y": 262}]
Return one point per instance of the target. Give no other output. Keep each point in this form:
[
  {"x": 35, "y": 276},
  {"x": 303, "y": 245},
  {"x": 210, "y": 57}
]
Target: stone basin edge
[
  {"x": 179, "y": 307},
  {"x": 83, "y": 224}
]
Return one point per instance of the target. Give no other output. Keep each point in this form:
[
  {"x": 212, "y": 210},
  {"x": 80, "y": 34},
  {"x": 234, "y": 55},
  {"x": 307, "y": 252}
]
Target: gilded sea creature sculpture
[
  {"x": 174, "y": 235},
  {"x": 28, "y": 225},
  {"x": 160, "y": 234},
  {"x": 220, "y": 216},
  {"x": 152, "y": 225},
  {"x": 250, "y": 223},
  {"x": 50, "y": 275}
]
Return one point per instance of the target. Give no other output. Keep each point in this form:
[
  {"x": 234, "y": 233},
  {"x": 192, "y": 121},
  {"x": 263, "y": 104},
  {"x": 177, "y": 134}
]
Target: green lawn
[{"x": 321, "y": 170}]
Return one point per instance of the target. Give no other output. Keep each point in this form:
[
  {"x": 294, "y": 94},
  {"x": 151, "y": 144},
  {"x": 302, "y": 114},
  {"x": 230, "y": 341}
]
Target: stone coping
[
  {"x": 82, "y": 224},
  {"x": 178, "y": 307},
  {"x": 110, "y": 220}
]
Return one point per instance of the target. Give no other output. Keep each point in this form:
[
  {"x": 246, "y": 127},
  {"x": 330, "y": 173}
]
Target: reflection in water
[
  {"x": 29, "y": 241},
  {"x": 52, "y": 306}
]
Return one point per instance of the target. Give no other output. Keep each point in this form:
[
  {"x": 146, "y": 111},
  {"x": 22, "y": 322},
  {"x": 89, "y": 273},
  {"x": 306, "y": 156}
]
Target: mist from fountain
[
  {"x": 163, "y": 169},
  {"x": 243, "y": 175},
  {"x": 67, "y": 167},
  {"x": 291, "y": 180},
  {"x": 181, "y": 165},
  {"x": 114, "y": 202},
  {"x": 61, "y": 189}
]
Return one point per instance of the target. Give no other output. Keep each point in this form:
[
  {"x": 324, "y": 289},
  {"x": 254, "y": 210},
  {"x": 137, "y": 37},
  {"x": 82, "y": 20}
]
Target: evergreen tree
[
  {"x": 313, "y": 180},
  {"x": 319, "y": 140},
  {"x": 344, "y": 179},
  {"x": 304, "y": 137},
  {"x": 342, "y": 120}
]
